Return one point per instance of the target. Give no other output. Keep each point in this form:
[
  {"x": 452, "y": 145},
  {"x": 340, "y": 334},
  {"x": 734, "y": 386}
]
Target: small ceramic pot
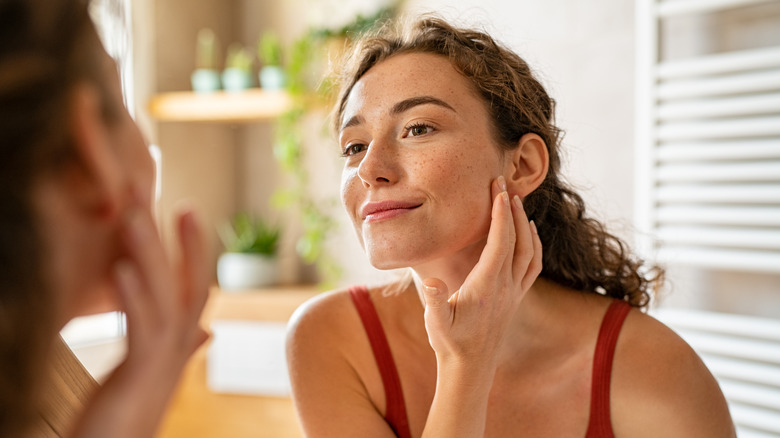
[
  {"x": 241, "y": 271},
  {"x": 272, "y": 77},
  {"x": 205, "y": 80},
  {"x": 236, "y": 79}
]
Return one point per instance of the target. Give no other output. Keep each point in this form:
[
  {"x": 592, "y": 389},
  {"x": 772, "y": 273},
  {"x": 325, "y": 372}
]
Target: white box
[{"x": 248, "y": 357}]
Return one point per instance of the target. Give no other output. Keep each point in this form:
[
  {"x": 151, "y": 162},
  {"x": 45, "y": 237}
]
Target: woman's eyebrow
[
  {"x": 401, "y": 107},
  {"x": 412, "y": 102},
  {"x": 353, "y": 121}
]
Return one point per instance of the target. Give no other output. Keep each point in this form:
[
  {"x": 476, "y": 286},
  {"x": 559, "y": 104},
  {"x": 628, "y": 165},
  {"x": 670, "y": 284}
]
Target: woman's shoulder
[
  {"x": 659, "y": 381},
  {"x": 327, "y": 331},
  {"x": 646, "y": 347},
  {"x": 324, "y": 330},
  {"x": 333, "y": 314},
  {"x": 324, "y": 315}
]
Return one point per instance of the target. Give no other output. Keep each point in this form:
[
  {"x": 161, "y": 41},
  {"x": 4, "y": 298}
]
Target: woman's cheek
[
  {"x": 350, "y": 199},
  {"x": 348, "y": 180}
]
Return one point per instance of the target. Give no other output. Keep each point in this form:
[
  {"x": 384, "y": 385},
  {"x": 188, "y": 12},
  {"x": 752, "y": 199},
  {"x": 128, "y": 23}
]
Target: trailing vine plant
[{"x": 307, "y": 93}]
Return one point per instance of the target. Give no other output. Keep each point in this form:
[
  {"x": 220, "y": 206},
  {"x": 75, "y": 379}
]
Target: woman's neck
[{"x": 451, "y": 269}]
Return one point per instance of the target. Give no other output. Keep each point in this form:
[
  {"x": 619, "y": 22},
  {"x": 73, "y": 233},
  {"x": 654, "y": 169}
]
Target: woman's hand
[
  {"x": 471, "y": 323},
  {"x": 466, "y": 329},
  {"x": 163, "y": 305}
]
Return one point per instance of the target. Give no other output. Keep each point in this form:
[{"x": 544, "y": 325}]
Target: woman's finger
[
  {"x": 497, "y": 186},
  {"x": 535, "y": 266},
  {"x": 194, "y": 272},
  {"x": 146, "y": 252},
  {"x": 500, "y": 240},
  {"x": 524, "y": 245},
  {"x": 138, "y": 306},
  {"x": 438, "y": 310}
]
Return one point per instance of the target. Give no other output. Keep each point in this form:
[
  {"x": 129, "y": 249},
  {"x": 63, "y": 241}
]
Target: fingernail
[
  {"x": 533, "y": 228},
  {"x": 518, "y": 202},
  {"x": 430, "y": 289},
  {"x": 502, "y": 183},
  {"x": 505, "y": 197}
]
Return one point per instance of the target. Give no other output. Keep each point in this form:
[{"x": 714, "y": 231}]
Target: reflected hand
[{"x": 163, "y": 305}]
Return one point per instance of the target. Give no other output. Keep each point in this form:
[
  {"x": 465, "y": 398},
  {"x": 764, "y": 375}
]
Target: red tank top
[
  {"x": 600, "y": 424},
  {"x": 395, "y": 413}
]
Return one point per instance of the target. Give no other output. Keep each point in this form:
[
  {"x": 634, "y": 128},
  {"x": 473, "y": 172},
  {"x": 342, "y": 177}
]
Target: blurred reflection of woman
[
  {"x": 77, "y": 233},
  {"x": 449, "y": 148}
]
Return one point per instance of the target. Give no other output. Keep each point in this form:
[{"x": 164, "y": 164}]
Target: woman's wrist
[
  {"x": 459, "y": 407},
  {"x": 466, "y": 379}
]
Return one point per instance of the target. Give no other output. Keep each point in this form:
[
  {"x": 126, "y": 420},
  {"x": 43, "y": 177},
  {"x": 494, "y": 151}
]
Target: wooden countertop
[{"x": 196, "y": 412}]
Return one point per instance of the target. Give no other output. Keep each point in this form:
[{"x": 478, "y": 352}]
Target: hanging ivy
[{"x": 308, "y": 94}]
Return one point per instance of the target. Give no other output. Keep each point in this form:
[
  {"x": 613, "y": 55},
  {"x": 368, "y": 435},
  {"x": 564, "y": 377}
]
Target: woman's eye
[
  {"x": 353, "y": 149},
  {"x": 419, "y": 129}
]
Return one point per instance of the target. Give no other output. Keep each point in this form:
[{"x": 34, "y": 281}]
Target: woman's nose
[{"x": 379, "y": 165}]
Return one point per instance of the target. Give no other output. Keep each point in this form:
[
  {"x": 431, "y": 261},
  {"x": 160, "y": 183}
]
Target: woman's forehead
[{"x": 406, "y": 76}]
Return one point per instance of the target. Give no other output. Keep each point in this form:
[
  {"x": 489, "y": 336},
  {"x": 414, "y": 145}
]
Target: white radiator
[
  {"x": 707, "y": 148},
  {"x": 743, "y": 353}
]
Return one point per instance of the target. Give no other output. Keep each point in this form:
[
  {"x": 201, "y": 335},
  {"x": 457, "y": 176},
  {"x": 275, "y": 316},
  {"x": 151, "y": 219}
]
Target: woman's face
[
  {"x": 134, "y": 171},
  {"x": 419, "y": 160},
  {"x": 128, "y": 142}
]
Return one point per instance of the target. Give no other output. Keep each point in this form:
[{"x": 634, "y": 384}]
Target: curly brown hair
[
  {"x": 578, "y": 251},
  {"x": 46, "y": 47}
]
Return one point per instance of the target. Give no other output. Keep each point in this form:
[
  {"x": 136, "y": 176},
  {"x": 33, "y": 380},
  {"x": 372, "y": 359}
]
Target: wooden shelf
[
  {"x": 273, "y": 303},
  {"x": 246, "y": 106},
  {"x": 197, "y": 411}
]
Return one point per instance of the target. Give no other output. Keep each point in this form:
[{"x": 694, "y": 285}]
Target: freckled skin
[{"x": 447, "y": 169}]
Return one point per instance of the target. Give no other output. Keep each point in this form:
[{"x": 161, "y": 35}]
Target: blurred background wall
[{"x": 584, "y": 52}]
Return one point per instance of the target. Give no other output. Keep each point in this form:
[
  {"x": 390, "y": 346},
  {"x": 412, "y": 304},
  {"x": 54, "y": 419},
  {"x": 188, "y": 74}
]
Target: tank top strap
[
  {"x": 395, "y": 414},
  {"x": 600, "y": 424}
]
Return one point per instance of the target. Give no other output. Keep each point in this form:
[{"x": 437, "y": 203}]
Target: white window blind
[{"x": 708, "y": 147}]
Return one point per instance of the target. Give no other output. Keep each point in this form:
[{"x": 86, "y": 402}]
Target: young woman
[
  {"x": 508, "y": 328},
  {"x": 77, "y": 234}
]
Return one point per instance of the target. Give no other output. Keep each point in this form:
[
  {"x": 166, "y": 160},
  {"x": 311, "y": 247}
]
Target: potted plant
[
  {"x": 269, "y": 52},
  {"x": 249, "y": 260},
  {"x": 237, "y": 75},
  {"x": 205, "y": 77}
]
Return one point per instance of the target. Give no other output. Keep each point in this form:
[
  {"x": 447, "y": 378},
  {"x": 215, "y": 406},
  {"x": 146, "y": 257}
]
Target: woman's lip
[{"x": 385, "y": 209}]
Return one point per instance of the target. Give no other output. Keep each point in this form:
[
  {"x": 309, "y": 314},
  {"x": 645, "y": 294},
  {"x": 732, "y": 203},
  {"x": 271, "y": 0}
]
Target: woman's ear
[
  {"x": 95, "y": 177},
  {"x": 526, "y": 165}
]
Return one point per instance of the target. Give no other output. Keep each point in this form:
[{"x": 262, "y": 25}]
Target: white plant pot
[
  {"x": 205, "y": 80},
  {"x": 236, "y": 79},
  {"x": 272, "y": 77},
  {"x": 238, "y": 271}
]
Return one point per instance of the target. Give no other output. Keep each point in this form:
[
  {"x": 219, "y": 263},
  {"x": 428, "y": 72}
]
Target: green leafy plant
[
  {"x": 238, "y": 57},
  {"x": 248, "y": 234},
  {"x": 269, "y": 49},
  {"x": 206, "y": 50},
  {"x": 309, "y": 93}
]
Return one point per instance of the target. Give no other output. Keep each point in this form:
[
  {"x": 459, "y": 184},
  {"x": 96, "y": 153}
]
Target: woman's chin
[
  {"x": 384, "y": 264},
  {"x": 385, "y": 260}
]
